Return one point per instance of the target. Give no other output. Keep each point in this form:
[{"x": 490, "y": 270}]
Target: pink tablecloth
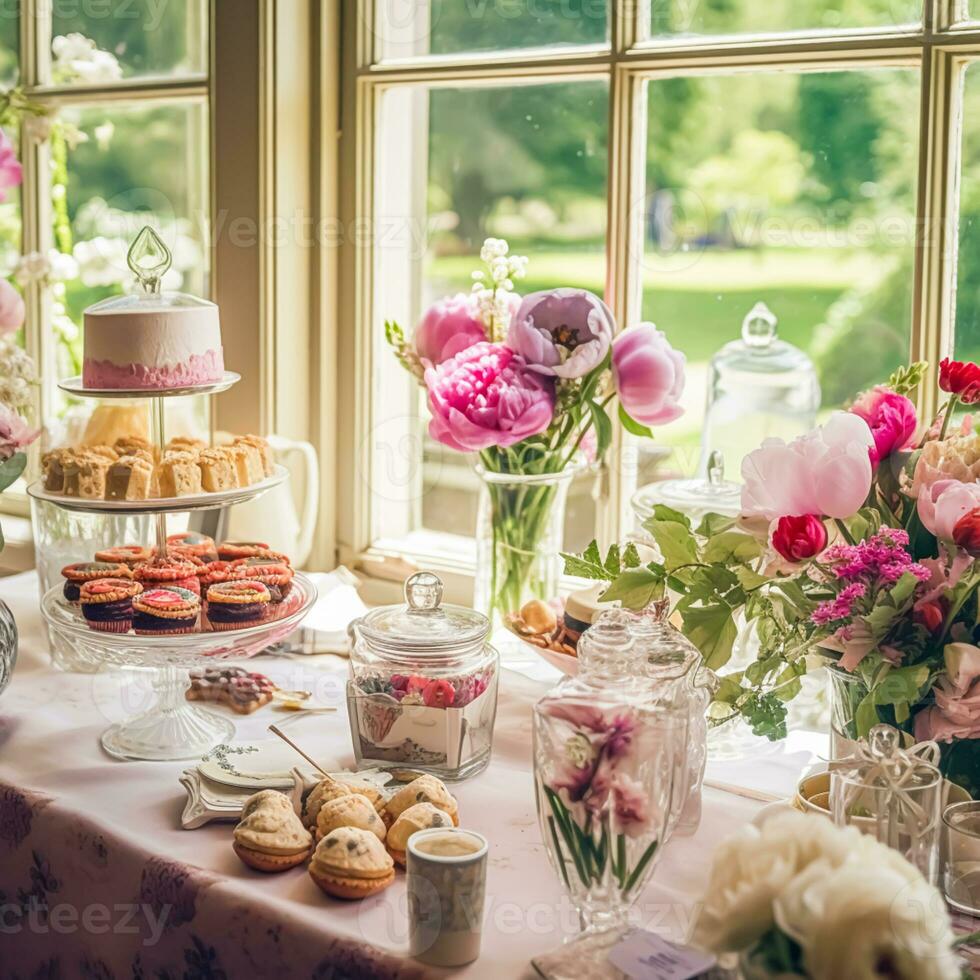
[{"x": 97, "y": 878}]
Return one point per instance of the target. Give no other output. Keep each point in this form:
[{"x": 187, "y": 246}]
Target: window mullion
[{"x": 935, "y": 253}]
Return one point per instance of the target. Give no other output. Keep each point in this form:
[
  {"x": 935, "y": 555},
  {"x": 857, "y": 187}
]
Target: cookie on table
[
  {"x": 420, "y": 816},
  {"x": 269, "y": 836},
  {"x": 241, "y": 690},
  {"x": 425, "y": 789},
  {"x": 351, "y": 863},
  {"x": 107, "y": 603},
  {"x": 352, "y": 810},
  {"x": 88, "y": 571}
]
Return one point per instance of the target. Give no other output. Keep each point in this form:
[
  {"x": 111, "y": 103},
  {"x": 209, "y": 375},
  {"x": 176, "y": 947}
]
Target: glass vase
[
  {"x": 609, "y": 780},
  {"x": 847, "y": 691},
  {"x": 519, "y": 531},
  {"x": 8, "y": 645}
]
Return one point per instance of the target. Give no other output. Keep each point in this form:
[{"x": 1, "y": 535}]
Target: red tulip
[
  {"x": 966, "y": 532},
  {"x": 799, "y": 538},
  {"x": 960, "y": 378},
  {"x": 930, "y": 615}
]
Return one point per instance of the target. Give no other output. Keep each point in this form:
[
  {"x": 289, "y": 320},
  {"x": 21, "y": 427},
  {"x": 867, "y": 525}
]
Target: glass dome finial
[{"x": 149, "y": 259}]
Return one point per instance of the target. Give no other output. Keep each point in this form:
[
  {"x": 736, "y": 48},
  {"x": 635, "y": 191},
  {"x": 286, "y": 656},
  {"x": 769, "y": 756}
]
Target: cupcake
[
  {"x": 194, "y": 543},
  {"x": 107, "y": 603},
  {"x": 274, "y": 574},
  {"x": 165, "y": 611},
  {"x": 425, "y": 789},
  {"x": 352, "y": 810},
  {"x": 129, "y": 555},
  {"x": 420, "y": 816},
  {"x": 88, "y": 571},
  {"x": 236, "y": 604},
  {"x": 351, "y": 863},
  {"x": 231, "y": 550},
  {"x": 165, "y": 572},
  {"x": 270, "y": 837}
]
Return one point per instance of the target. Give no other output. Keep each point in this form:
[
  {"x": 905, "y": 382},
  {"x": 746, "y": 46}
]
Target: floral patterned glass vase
[
  {"x": 8, "y": 645},
  {"x": 608, "y": 763},
  {"x": 519, "y": 530}
]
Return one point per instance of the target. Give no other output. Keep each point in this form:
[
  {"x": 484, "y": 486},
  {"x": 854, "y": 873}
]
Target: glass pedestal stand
[{"x": 172, "y": 728}]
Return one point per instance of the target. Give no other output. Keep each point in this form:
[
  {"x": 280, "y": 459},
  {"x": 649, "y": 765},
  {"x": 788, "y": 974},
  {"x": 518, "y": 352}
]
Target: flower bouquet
[
  {"x": 525, "y": 385},
  {"x": 857, "y": 546},
  {"x": 803, "y": 898}
]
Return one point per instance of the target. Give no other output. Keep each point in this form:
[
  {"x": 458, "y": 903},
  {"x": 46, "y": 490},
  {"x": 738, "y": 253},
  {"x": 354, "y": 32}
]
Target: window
[
  {"x": 685, "y": 160},
  {"x": 124, "y": 143}
]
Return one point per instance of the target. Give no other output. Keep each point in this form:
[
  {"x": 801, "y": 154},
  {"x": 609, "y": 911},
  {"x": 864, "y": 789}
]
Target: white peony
[
  {"x": 79, "y": 57},
  {"x": 868, "y": 918}
]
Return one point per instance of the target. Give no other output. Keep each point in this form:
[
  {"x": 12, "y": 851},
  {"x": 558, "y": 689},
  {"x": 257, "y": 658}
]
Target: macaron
[
  {"x": 107, "y": 603},
  {"x": 168, "y": 610}
]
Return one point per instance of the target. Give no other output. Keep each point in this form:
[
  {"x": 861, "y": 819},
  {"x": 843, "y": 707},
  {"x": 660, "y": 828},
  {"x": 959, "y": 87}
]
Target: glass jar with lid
[
  {"x": 759, "y": 387},
  {"x": 422, "y": 691}
]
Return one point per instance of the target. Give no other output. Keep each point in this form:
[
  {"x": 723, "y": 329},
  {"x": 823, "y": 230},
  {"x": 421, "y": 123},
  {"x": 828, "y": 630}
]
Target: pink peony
[
  {"x": 15, "y": 433},
  {"x": 891, "y": 418},
  {"x": 562, "y": 332},
  {"x": 486, "y": 396},
  {"x": 797, "y": 538},
  {"x": 826, "y": 472},
  {"x": 447, "y": 328},
  {"x": 648, "y": 374},
  {"x": 942, "y": 505},
  {"x": 11, "y": 308},
  {"x": 11, "y": 172},
  {"x": 956, "y": 713}
]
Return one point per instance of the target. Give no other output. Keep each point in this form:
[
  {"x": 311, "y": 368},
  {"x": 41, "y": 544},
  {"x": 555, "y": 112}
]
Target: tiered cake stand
[{"x": 172, "y": 728}]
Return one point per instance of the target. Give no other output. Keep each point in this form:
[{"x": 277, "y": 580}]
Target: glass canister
[
  {"x": 422, "y": 691},
  {"x": 759, "y": 387},
  {"x": 607, "y": 759},
  {"x": 678, "y": 678}
]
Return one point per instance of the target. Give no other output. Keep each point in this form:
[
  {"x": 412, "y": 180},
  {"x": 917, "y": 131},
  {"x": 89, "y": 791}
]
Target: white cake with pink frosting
[{"x": 152, "y": 343}]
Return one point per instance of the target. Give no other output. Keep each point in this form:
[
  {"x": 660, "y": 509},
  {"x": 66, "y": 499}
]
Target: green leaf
[
  {"x": 612, "y": 563},
  {"x": 603, "y": 428},
  {"x": 661, "y": 512},
  {"x": 672, "y": 532},
  {"x": 587, "y": 565},
  {"x": 711, "y": 628},
  {"x": 866, "y": 716},
  {"x": 731, "y": 546},
  {"x": 766, "y": 716},
  {"x": 11, "y": 468},
  {"x": 637, "y": 587},
  {"x": 632, "y": 426},
  {"x": 712, "y": 524},
  {"x": 631, "y": 557}
]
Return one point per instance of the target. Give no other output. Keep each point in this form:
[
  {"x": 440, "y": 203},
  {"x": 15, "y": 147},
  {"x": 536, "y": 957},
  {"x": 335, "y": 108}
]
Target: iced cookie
[
  {"x": 351, "y": 863},
  {"x": 352, "y": 810},
  {"x": 270, "y": 837},
  {"x": 420, "y": 816},
  {"x": 425, "y": 789}
]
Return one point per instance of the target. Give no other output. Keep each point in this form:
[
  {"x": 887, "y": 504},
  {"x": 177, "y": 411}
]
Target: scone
[
  {"x": 327, "y": 789},
  {"x": 421, "y": 816},
  {"x": 352, "y": 810},
  {"x": 270, "y": 837},
  {"x": 351, "y": 863},
  {"x": 425, "y": 789}
]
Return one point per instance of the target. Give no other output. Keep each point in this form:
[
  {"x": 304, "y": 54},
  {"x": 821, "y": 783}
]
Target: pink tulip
[
  {"x": 11, "y": 172},
  {"x": 562, "y": 332},
  {"x": 486, "y": 396},
  {"x": 15, "y": 433},
  {"x": 956, "y": 713},
  {"x": 11, "y": 308},
  {"x": 826, "y": 472},
  {"x": 891, "y": 417},
  {"x": 799, "y": 537},
  {"x": 447, "y": 328},
  {"x": 648, "y": 374},
  {"x": 943, "y": 504}
]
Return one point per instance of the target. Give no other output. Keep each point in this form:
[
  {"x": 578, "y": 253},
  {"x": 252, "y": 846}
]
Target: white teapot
[{"x": 285, "y": 516}]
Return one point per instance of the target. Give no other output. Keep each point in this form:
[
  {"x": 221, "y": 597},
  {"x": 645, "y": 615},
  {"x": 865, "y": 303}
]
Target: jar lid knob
[
  {"x": 759, "y": 326},
  {"x": 716, "y": 468},
  {"x": 423, "y": 592},
  {"x": 149, "y": 259}
]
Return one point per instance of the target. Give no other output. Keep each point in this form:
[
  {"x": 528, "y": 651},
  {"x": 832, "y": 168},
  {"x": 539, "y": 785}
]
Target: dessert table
[{"x": 97, "y": 877}]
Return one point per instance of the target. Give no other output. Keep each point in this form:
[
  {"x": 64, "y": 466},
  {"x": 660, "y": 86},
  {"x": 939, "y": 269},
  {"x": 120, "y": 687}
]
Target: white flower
[
  {"x": 873, "y": 909},
  {"x": 104, "y": 133},
  {"x": 32, "y": 267},
  {"x": 579, "y": 750},
  {"x": 79, "y": 57},
  {"x": 493, "y": 248},
  {"x": 63, "y": 266},
  {"x": 102, "y": 261}
]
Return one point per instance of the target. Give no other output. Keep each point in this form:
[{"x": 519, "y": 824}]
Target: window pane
[
  {"x": 794, "y": 190},
  {"x": 95, "y": 43},
  {"x": 9, "y": 42},
  {"x": 777, "y": 16},
  {"x": 968, "y": 258},
  {"x": 130, "y": 165},
  {"x": 409, "y": 28},
  {"x": 524, "y": 163}
]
